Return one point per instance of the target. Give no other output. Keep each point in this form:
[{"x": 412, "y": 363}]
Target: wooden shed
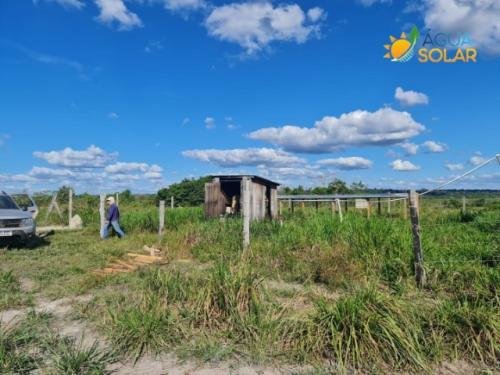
[{"x": 225, "y": 196}]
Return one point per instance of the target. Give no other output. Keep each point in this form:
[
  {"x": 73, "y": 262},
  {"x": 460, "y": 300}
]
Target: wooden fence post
[
  {"x": 161, "y": 225},
  {"x": 389, "y": 204},
  {"x": 464, "y": 204},
  {"x": 172, "y": 201},
  {"x": 339, "y": 207},
  {"x": 70, "y": 206},
  {"x": 333, "y": 207},
  {"x": 117, "y": 196},
  {"x": 379, "y": 206},
  {"x": 417, "y": 245},
  {"x": 246, "y": 212},
  {"x": 102, "y": 197}
]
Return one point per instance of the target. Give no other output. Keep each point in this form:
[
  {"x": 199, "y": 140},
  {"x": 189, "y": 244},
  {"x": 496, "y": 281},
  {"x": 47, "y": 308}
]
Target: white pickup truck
[{"x": 16, "y": 225}]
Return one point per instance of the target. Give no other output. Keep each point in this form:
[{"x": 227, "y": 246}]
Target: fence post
[
  {"x": 389, "y": 204},
  {"x": 339, "y": 207},
  {"x": 333, "y": 207},
  {"x": 379, "y": 206},
  {"x": 70, "y": 206},
  {"x": 172, "y": 201},
  {"x": 102, "y": 197},
  {"x": 417, "y": 245},
  {"x": 246, "y": 212},
  {"x": 117, "y": 195},
  {"x": 464, "y": 204},
  {"x": 161, "y": 225}
]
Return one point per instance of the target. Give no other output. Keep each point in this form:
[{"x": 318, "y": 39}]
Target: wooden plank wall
[
  {"x": 274, "y": 203},
  {"x": 215, "y": 203},
  {"x": 257, "y": 201}
]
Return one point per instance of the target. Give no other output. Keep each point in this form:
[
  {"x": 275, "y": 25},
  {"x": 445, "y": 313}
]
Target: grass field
[{"x": 314, "y": 292}]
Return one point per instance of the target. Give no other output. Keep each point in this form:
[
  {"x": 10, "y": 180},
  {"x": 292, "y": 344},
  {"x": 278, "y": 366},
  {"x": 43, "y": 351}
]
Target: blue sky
[{"x": 111, "y": 94}]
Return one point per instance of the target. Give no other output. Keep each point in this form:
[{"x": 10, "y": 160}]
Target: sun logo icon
[{"x": 402, "y": 49}]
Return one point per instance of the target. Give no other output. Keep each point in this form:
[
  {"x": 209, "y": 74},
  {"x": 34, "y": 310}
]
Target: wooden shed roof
[{"x": 239, "y": 177}]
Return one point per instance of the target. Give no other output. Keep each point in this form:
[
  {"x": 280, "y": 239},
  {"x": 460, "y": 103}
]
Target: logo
[
  {"x": 435, "y": 47},
  {"x": 402, "y": 49}
]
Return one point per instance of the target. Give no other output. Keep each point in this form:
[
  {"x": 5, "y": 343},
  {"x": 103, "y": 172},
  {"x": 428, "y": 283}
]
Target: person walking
[{"x": 112, "y": 219}]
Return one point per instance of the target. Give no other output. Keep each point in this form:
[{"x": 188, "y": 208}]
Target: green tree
[
  {"x": 126, "y": 196},
  {"x": 188, "y": 192},
  {"x": 358, "y": 187},
  {"x": 338, "y": 186}
]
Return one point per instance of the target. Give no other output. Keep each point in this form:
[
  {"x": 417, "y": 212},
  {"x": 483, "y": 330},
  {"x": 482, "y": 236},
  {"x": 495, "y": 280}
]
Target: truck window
[{"x": 7, "y": 203}]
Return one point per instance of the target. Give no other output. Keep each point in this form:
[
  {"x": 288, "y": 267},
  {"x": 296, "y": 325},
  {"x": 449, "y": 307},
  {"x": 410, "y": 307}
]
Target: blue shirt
[{"x": 113, "y": 213}]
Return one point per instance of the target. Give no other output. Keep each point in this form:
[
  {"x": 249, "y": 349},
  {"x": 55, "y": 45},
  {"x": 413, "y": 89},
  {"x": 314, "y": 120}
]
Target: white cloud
[
  {"x": 315, "y": 14},
  {"x": 368, "y": 3},
  {"x": 113, "y": 115},
  {"x": 210, "y": 123},
  {"x": 481, "y": 18},
  {"x": 244, "y": 157},
  {"x": 178, "y": 5},
  {"x": 410, "y": 98},
  {"x": 403, "y": 165},
  {"x": 151, "y": 172},
  {"x": 410, "y": 148},
  {"x": 115, "y": 11},
  {"x": 77, "y": 4},
  {"x": 92, "y": 157},
  {"x": 185, "y": 121},
  {"x": 454, "y": 167},
  {"x": 45, "y": 173},
  {"x": 347, "y": 163},
  {"x": 122, "y": 167},
  {"x": 433, "y": 146},
  {"x": 283, "y": 174},
  {"x": 477, "y": 159},
  {"x": 359, "y": 128},
  {"x": 254, "y": 25}
]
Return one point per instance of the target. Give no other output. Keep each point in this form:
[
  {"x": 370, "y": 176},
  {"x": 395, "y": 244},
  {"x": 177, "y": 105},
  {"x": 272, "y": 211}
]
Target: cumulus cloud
[
  {"x": 244, "y": 157},
  {"x": 122, "y": 167},
  {"x": 410, "y": 98},
  {"x": 386, "y": 126},
  {"x": 149, "y": 171},
  {"x": 369, "y": 3},
  {"x": 433, "y": 146},
  {"x": 209, "y": 123},
  {"x": 112, "y": 11},
  {"x": 44, "y": 173},
  {"x": 179, "y": 5},
  {"x": 347, "y": 163},
  {"x": 92, "y": 157},
  {"x": 254, "y": 25},
  {"x": 481, "y": 18},
  {"x": 454, "y": 167},
  {"x": 403, "y": 165},
  {"x": 77, "y": 4},
  {"x": 315, "y": 14},
  {"x": 477, "y": 159},
  {"x": 285, "y": 173},
  {"x": 410, "y": 148}
]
